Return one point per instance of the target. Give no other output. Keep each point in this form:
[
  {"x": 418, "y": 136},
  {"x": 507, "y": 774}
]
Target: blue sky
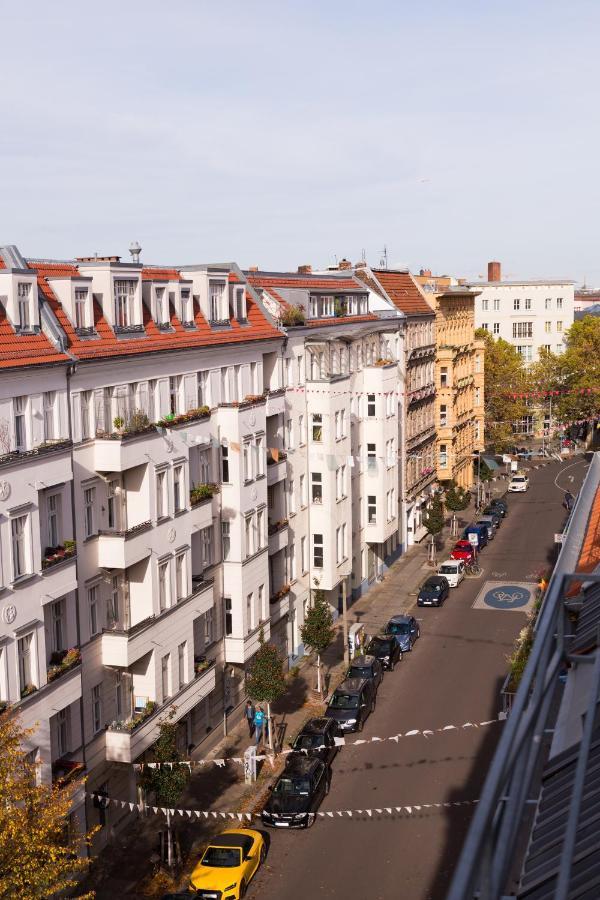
[{"x": 297, "y": 132}]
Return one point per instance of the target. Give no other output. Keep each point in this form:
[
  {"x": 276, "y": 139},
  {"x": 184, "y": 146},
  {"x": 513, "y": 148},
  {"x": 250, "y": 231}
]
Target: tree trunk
[
  {"x": 169, "y": 841},
  {"x": 319, "y": 674},
  {"x": 269, "y": 726}
]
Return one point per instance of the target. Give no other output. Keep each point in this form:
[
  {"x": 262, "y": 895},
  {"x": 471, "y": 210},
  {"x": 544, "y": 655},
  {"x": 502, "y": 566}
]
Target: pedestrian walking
[
  {"x": 249, "y": 714},
  {"x": 259, "y": 722},
  {"x": 569, "y": 501}
]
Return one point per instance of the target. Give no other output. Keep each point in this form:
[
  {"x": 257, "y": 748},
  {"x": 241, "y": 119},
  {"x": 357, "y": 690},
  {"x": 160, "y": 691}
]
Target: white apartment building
[
  {"x": 530, "y": 315},
  {"x": 177, "y": 471}
]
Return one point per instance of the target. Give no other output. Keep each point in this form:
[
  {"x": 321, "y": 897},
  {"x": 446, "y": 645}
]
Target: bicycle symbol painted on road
[{"x": 507, "y": 597}]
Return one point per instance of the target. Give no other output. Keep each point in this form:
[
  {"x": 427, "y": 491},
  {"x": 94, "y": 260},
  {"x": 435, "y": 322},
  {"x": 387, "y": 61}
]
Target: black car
[
  {"x": 317, "y": 739},
  {"x": 501, "y": 505},
  {"x": 297, "y": 793},
  {"x": 495, "y": 513},
  {"x": 351, "y": 703},
  {"x": 387, "y": 650},
  {"x": 434, "y": 591},
  {"x": 366, "y": 666}
]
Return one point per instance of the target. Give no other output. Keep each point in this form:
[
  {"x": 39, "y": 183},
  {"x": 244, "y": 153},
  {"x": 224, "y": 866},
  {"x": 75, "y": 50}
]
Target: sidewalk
[{"x": 121, "y": 868}]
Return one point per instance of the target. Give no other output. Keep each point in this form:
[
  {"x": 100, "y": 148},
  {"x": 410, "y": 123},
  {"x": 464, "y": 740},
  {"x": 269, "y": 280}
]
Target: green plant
[
  {"x": 118, "y": 422},
  {"x": 433, "y": 520},
  {"x": 138, "y": 422},
  {"x": 293, "y": 315},
  {"x": 339, "y": 307},
  {"x": 317, "y": 631},
  {"x": 202, "y": 492},
  {"x": 456, "y": 498},
  {"x": 70, "y": 546},
  {"x": 266, "y": 681}
]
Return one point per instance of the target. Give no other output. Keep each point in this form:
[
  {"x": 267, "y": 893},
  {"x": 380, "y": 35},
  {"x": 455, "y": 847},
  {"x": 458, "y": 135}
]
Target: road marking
[{"x": 562, "y": 472}]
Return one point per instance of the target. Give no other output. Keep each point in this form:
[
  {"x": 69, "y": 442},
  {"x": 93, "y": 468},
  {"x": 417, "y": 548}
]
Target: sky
[{"x": 286, "y": 133}]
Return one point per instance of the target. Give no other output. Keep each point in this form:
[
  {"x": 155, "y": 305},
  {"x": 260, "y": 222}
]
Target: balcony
[
  {"x": 126, "y": 741},
  {"x": 121, "y": 549},
  {"x": 422, "y": 437},
  {"x": 123, "y": 647},
  {"x": 51, "y": 452},
  {"x": 57, "y": 694},
  {"x": 278, "y": 536},
  {"x": 276, "y": 468},
  {"x": 126, "y": 449},
  {"x": 240, "y": 650},
  {"x": 59, "y": 573},
  {"x": 421, "y": 393},
  {"x": 279, "y": 604},
  {"x": 276, "y": 402}
]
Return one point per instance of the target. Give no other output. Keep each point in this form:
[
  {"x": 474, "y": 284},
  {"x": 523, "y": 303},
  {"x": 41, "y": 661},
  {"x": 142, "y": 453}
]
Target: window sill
[
  {"x": 23, "y": 579},
  {"x": 179, "y": 512},
  {"x": 342, "y": 561},
  {"x": 90, "y": 538},
  {"x": 162, "y": 519},
  {"x": 340, "y": 499},
  {"x": 260, "y": 477}
]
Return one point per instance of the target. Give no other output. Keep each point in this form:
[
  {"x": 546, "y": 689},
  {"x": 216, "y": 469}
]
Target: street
[{"x": 453, "y": 676}]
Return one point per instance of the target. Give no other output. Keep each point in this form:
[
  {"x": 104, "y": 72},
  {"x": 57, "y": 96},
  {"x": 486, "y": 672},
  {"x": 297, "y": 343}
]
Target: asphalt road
[{"x": 452, "y": 676}]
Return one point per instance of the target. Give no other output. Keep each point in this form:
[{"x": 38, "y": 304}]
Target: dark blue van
[{"x": 476, "y": 535}]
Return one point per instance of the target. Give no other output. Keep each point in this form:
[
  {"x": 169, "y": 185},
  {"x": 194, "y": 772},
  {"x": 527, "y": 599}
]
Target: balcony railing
[
  {"x": 41, "y": 450},
  {"x": 281, "y": 455},
  {"x": 280, "y": 594},
  {"x": 274, "y": 527},
  {"x": 66, "y": 770},
  {"x": 201, "y": 492}
]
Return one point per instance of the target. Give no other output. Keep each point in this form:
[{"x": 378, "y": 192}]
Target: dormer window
[
  {"x": 23, "y": 303},
  {"x": 81, "y": 299},
  {"x": 186, "y": 310},
  {"x": 240, "y": 304},
  {"x": 216, "y": 289},
  {"x": 161, "y": 316},
  {"x": 124, "y": 294}
]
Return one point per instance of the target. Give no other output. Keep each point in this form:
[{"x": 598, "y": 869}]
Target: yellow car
[{"x": 228, "y": 865}]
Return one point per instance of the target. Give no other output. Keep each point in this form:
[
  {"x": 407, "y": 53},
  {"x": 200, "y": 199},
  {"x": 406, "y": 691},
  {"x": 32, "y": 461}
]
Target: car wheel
[
  {"x": 327, "y": 786},
  {"x": 262, "y": 855},
  {"x": 373, "y": 705},
  {"x": 242, "y": 889},
  {"x": 359, "y": 725},
  {"x": 392, "y": 666},
  {"x": 418, "y": 632}
]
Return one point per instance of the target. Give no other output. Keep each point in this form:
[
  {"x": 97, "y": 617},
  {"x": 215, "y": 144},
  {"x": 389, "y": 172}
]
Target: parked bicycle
[{"x": 473, "y": 568}]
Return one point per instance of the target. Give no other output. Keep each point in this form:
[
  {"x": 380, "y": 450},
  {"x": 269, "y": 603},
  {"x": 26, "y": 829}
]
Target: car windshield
[
  {"x": 308, "y": 741},
  {"x": 447, "y": 570},
  {"x": 463, "y": 545},
  {"x": 222, "y": 857},
  {"x": 398, "y": 628},
  {"x": 518, "y": 478},
  {"x": 360, "y": 672},
  {"x": 377, "y": 646},
  {"x": 297, "y": 786},
  {"x": 344, "y": 701}
]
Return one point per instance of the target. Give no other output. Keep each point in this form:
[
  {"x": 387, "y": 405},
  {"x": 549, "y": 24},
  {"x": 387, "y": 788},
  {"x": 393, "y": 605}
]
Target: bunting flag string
[
  {"x": 546, "y": 394},
  {"x": 340, "y": 742},
  {"x": 242, "y": 816}
]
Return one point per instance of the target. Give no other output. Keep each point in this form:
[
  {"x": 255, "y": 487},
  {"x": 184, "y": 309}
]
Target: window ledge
[
  {"x": 23, "y": 579},
  {"x": 180, "y": 512}
]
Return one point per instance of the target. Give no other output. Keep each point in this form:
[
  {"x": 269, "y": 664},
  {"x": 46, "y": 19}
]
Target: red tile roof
[
  {"x": 330, "y": 283},
  {"x": 25, "y": 349},
  {"x": 158, "y": 274},
  {"x": 109, "y": 345},
  {"x": 342, "y": 320},
  {"x": 402, "y": 291}
]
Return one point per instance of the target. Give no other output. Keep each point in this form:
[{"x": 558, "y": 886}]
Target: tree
[
  {"x": 318, "y": 630},
  {"x": 433, "y": 520},
  {"x": 580, "y": 371},
  {"x": 456, "y": 498},
  {"x": 266, "y": 682},
  {"x": 506, "y": 378},
  {"x": 39, "y": 855}
]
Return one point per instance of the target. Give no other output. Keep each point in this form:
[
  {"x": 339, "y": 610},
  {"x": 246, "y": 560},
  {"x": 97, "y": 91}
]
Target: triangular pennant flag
[
  {"x": 329, "y": 814},
  {"x": 395, "y": 737},
  {"x": 349, "y": 813},
  {"x": 131, "y": 806},
  {"x": 427, "y": 733},
  {"x": 412, "y": 733},
  {"x": 369, "y": 812},
  {"x": 155, "y": 809},
  {"x": 360, "y": 741},
  {"x": 339, "y": 741},
  {"x": 408, "y": 809},
  {"x": 448, "y": 728},
  {"x": 374, "y": 739},
  {"x": 379, "y": 811},
  {"x": 388, "y": 809},
  {"x": 214, "y": 815}
]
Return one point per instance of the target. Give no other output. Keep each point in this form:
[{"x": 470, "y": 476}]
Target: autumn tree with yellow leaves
[{"x": 39, "y": 857}]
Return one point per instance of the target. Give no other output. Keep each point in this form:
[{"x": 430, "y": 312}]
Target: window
[
  {"x": 49, "y": 401},
  {"x": 25, "y": 657},
  {"x": 203, "y": 389},
  {"x": 57, "y": 611},
  {"x": 112, "y": 607},
  {"x": 338, "y": 432},
  {"x": 209, "y": 627},
  {"x": 485, "y": 304},
  {"x": 340, "y": 541},
  {"x": 174, "y": 385},
  {"x": 443, "y": 456},
  {"x": 526, "y": 352},
  {"x": 215, "y": 295},
  {"x": 340, "y": 482},
  {"x": 516, "y": 304},
  {"x": 226, "y": 539},
  {"x": 86, "y": 410},
  {"x": 370, "y": 405},
  {"x": 548, "y": 347},
  {"x": 559, "y": 302},
  {"x": 523, "y": 426},
  {"x": 527, "y": 303},
  {"x": 53, "y": 504},
  {"x": 292, "y": 562},
  {"x": 23, "y": 296},
  {"x": 559, "y": 348},
  {"x": 316, "y": 487},
  {"x": 228, "y": 617},
  {"x": 247, "y": 457},
  {"x": 180, "y": 576},
  {"x": 443, "y": 415},
  {"x": 302, "y": 490},
  {"x": 20, "y": 409},
  {"x": 289, "y": 434},
  {"x": 371, "y": 456},
  {"x": 89, "y": 502},
  {"x": 249, "y": 613},
  {"x": 444, "y": 376},
  {"x": 259, "y": 454},
  {"x": 124, "y": 292},
  {"x": 477, "y": 396},
  {"x": 301, "y": 435},
  {"x": 496, "y": 328},
  {"x": 162, "y": 504},
  {"x": 547, "y": 327},
  {"x": 303, "y": 559},
  {"x": 186, "y": 312},
  {"x": 94, "y": 610},
  {"x": 181, "y": 664},
  {"x": 318, "y": 551},
  {"x": 559, "y": 326},
  {"x": 522, "y": 329},
  {"x": 118, "y": 695},
  {"x": 161, "y": 315},
  {"x": 163, "y": 585},
  {"x": 497, "y": 304},
  {"x": 165, "y": 666},
  {"x": 96, "y": 709},
  {"x": 260, "y": 529},
  {"x": 371, "y": 509},
  {"x": 178, "y": 489},
  {"x": 291, "y": 497},
  {"x": 262, "y": 603},
  {"x": 249, "y": 536},
  {"x": 317, "y": 427},
  {"x": 224, "y": 463},
  {"x": 19, "y": 528},
  {"x": 62, "y": 731},
  {"x": 548, "y": 303},
  {"x": 485, "y": 326}
]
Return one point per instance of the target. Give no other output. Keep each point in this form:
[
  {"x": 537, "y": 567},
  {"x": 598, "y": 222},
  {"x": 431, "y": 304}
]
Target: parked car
[
  {"x": 405, "y": 629},
  {"x": 317, "y": 739},
  {"x": 228, "y": 864},
  {"x": 501, "y": 504},
  {"x": 518, "y": 483},
  {"x": 477, "y": 535},
  {"x": 495, "y": 513},
  {"x": 453, "y": 571},
  {"x": 489, "y": 524},
  {"x": 351, "y": 704},
  {"x": 297, "y": 794},
  {"x": 463, "y": 550},
  {"x": 433, "y": 591},
  {"x": 366, "y": 666},
  {"x": 387, "y": 650}
]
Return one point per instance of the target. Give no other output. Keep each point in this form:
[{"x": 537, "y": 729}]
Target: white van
[{"x": 453, "y": 571}]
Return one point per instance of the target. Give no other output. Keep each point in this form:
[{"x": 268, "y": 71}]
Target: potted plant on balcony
[
  {"x": 70, "y": 547},
  {"x": 201, "y": 492},
  {"x": 119, "y": 424},
  {"x": 293, "y": 315},
  {"x": 28, "y": 690}
]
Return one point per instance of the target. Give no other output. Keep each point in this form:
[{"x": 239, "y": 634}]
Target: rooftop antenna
[
  {"x": 135, "y": 250},
  {"x": 363, "y": 255},
  {"x": 383, "y": 262}
]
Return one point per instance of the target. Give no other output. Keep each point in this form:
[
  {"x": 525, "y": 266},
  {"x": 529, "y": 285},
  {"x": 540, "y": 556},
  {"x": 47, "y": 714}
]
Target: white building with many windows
[
  {"x": 530, "y": 315},
  {"x": 178, "y": 468}
]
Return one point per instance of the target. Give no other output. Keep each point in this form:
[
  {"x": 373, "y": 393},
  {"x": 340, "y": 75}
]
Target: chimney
[
  {"x": 494, "y": 271},
  {"x": 253, "y": 269},
  {"x": 344, "y": 264},
  {"x": 135, "y": 250},
  {"x": 304, "y": 270},
  {"x": 425, "y": 273}
]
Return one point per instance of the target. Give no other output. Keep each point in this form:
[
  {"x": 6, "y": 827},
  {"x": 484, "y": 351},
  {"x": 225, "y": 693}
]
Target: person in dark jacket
[{"x": 249, "y": 714}]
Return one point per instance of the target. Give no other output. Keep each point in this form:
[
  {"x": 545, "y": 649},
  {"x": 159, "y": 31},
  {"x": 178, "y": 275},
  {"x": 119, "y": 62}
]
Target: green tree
[
  {"x": 318, "y": 630},
  {"x": 505, "y": 379},
  {"x": 580, "y": 371},
  {"x": 456, "y": 497},
  {"x": 39, "y": 855},
  {"x": 266, "y": 681},
  {"x": 433, "y": 520}
]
